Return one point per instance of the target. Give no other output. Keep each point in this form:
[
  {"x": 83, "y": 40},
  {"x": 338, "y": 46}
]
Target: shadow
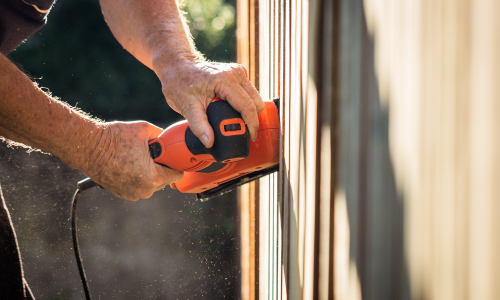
[
  {"x": 362, "y": 167},
  {"x": 365, "y": 168}
]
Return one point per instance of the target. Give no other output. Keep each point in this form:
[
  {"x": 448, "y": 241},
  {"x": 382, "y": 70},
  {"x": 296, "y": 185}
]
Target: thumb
[
  {"x": 196, "y": 116},
  {"x": 168, "y": 175}
]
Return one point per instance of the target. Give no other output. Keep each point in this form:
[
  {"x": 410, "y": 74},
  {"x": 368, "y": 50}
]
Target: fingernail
[{"x": 204, "y": 139}]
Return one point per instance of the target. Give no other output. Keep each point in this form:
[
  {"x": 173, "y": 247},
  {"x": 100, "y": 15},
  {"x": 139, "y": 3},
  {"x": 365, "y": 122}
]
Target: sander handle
[{"x": 178, "y": 148}]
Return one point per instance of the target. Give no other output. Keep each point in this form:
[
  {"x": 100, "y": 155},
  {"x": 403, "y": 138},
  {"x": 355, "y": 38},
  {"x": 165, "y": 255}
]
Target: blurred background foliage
[
  {"x": 212, "y": 24},
  {"x": 77, "y": 58}
]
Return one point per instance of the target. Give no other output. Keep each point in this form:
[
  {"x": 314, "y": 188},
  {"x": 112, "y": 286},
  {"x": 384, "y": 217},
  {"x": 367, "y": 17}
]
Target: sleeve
[{"x": 19, "y": 19}]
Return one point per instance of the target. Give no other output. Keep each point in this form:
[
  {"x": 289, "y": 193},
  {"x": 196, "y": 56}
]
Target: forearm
[
  {"x": 30, "y": 116},
  {"x": 154, "y": 32},
  {"x": 143, "y": 26}
]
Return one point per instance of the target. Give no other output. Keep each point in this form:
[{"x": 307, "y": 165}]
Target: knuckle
[
  {"x": 224, "y": 91},
  {"x": 260, "y": 106},
  {"x": 250, "y": 106},
  {"x": 250, "y": 115},
  {"x": 228, "y": 74},
  {"x": 241, "y": 71}
]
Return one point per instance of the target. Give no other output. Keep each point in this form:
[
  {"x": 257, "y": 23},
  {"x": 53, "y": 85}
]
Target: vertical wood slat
[
  {"x": 285, "y": 142},
  {"x": 243, "y": 33},
  {"x": 484, "y": 153},
  {"x": 327, "y": 76},
  {"x": 243, "y": 58},
  {"x": 266, "y": 217},
  {"x": 346, "y": 194},
  {"x": 247, "y": 211},
  {"x": 295, "y": 266},
  {"x": 275, "y": 68},
  {"x": 254, "y": 42},
  {"x": 282, "y": 182},
  {"x": 248, "y": 195}
]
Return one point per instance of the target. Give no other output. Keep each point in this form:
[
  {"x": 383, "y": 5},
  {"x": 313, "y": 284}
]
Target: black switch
[
  {"x": 155, "y": 150},
  {"x": 232, "y": 127}
]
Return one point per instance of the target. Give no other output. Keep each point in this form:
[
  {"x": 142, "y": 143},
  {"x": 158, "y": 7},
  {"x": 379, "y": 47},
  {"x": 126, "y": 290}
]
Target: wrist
[
  {"x": 99, "y": 142},
  {"x": 170, "y": 50},
  {"x": 82, "y": 147},
  {"x": 168, "y": 68},
  {"x": 168, "y": 62}
]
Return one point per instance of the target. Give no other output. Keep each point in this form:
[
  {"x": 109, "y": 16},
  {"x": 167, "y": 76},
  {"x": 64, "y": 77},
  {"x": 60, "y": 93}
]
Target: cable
[{"x": 82, "y": 186}]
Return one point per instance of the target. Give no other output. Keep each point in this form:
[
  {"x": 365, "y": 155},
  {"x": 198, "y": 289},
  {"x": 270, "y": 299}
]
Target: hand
[
  {"x": 190, "y": 85},
  {"x": 121, "y": 162},
  {"x": 154, "y": 32}
]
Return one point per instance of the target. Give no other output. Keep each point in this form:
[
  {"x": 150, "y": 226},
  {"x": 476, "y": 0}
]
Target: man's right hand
[
  {"x": 115, "y": 155},
  {"x": 121, "y": 163}
]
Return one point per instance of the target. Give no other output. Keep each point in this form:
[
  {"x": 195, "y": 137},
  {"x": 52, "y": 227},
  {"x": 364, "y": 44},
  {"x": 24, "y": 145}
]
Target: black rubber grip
[
  {"x": 225, "y": 147},
  {"x": 155, "y": 150}
]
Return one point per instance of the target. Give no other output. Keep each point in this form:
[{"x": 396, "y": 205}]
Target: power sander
[{"x": 233, "y": 160}]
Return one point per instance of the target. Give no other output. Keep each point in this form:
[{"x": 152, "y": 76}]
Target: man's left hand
[{"x": 190, "y": 85}]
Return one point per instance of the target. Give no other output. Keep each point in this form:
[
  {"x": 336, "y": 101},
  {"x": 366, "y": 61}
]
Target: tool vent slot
[
  {"x": 231, "y": 178},
  {"x": 198, "y": 166}
]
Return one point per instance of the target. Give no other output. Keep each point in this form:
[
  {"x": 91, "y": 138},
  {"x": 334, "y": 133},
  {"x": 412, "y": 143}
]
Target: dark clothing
[
  {"x": 19, "y": 19},
  {"x": 12, "y": 283}
]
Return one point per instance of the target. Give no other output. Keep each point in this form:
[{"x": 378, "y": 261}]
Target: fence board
[{"x": 248, "y": 195}]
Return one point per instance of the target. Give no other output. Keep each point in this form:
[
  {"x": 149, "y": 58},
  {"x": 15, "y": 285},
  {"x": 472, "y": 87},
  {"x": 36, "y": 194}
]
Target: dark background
[
  {"x": 167, "y": 247},
  {"x": 76, "y": 57}
]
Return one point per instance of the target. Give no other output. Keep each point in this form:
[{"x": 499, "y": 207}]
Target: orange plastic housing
[
  {"x": 264, "y": 153},
  {"x": 175, "y": 153}
]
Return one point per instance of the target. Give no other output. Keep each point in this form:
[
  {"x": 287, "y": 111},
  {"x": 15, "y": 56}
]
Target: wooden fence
[{"x": 388, "y": 183}]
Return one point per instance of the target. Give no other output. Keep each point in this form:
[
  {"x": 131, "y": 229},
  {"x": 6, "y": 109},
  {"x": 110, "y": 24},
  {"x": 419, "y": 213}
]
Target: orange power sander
[{"x": 233, "y": 160}]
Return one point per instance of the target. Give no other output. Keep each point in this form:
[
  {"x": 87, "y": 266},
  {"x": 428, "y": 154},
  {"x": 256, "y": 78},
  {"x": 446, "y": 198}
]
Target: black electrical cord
[{"x": 81, "y": 187}]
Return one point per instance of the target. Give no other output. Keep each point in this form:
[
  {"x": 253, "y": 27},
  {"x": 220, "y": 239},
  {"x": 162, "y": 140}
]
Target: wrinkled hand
[
  {"x": 189, "y": 86},
  {"x": 121, "y": 162}
]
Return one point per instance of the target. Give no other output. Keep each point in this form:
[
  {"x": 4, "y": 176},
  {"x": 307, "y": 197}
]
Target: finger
[
  {"x": 252, "y": 92},
  {"x": 242, "y": 75},
  {"x": 243, "y": 103},
  {"x": 197, "y": 119}
]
